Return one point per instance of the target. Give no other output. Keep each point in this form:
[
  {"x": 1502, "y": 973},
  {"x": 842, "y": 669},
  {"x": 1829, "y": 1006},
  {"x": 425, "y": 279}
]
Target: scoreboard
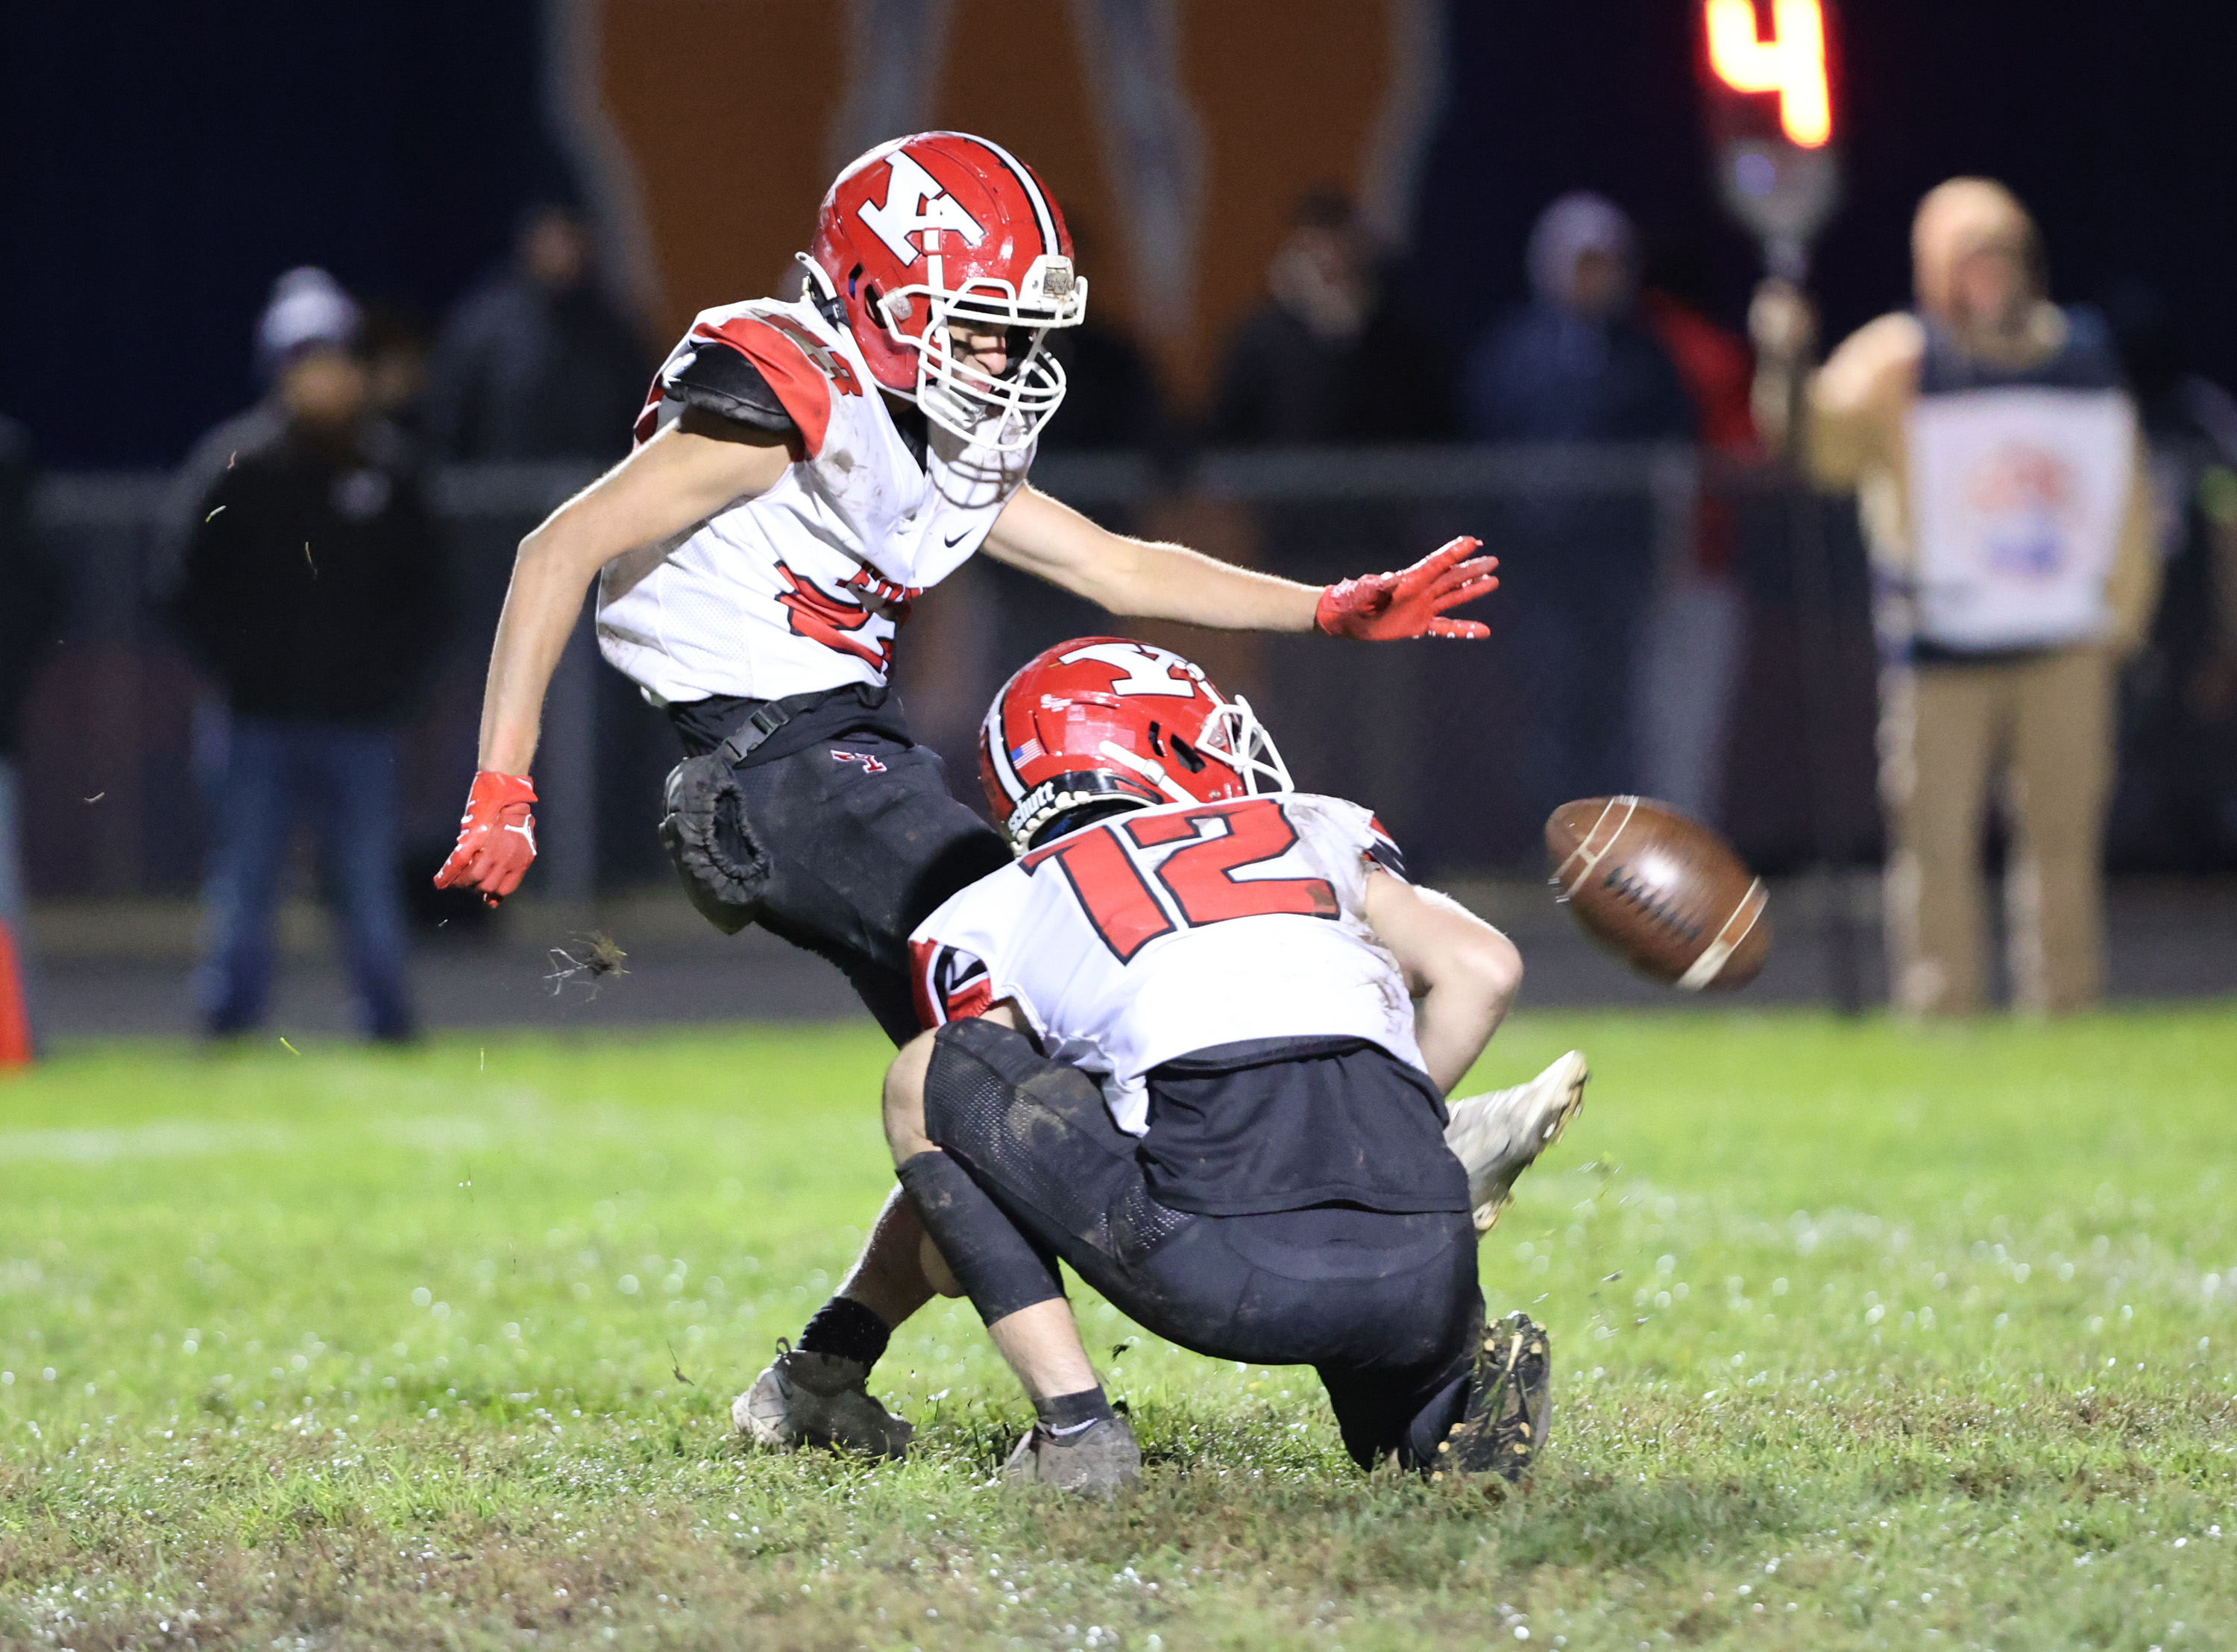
[
  {"x": 1790, "y": 65},
  {"x": 1767, "y": 82}
]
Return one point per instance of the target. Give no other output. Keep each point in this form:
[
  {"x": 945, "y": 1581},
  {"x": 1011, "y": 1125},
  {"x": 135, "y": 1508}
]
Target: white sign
[{"x": 2016, "y": 499}]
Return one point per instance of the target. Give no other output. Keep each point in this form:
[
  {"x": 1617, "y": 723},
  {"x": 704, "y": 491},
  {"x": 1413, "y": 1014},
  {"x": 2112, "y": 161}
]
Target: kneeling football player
[
  {"x": 803, "y": 472},
  {"x": 1195, "y": 1041}
]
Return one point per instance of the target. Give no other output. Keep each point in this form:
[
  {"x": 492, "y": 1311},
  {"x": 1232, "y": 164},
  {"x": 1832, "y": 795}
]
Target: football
[{"x": 1662, "y": 890}]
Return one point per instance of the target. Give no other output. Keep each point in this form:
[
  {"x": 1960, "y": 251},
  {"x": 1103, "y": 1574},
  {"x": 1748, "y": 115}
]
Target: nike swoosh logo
[{"x": 959, "y": 539}]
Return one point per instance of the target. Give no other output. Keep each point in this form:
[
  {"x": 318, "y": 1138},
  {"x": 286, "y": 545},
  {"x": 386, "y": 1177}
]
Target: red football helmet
[
  {"x": 1103, "y": 722},
  {"x": 943, "y": 227}
]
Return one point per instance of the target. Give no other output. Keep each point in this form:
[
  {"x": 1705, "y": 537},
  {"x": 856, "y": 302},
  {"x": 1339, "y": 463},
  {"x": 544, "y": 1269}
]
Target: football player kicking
[
  {"x": 803, "y": 472},
  {"x": 1175, "y": 1043}
]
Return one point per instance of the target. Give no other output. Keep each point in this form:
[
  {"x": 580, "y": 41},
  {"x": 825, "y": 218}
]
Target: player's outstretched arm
[
  {"x": 1464, "y": 971},
  {"x": 676, "y": 480},
  {"x": 1143, "y": 579}
]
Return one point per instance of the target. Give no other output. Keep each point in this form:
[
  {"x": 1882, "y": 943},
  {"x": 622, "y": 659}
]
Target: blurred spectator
[
  {"x": 1715, "y": 365},
  {"x": 537, "y": 363},
  {"x": 308, "y": 307},
  {"x": 1328, "y": 358},
  {"x": 1998, "y": 469},
  {"x": 1696, "y": 620},
  {"x": 395, "y": 344},
  {"x": 2176, "y": 807},
  {"x": 317, "y": 589},
  {"x": 1112, "y": 399},
  {"x": 1574, "y": 366},
  {"x": 35, "y": 589}
]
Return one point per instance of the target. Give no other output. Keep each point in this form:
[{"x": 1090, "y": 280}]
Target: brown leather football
[{"x": 1663, "y": 890}]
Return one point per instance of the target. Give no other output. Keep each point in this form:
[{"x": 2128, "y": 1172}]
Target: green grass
[{"x": 1862, "y": 1338}]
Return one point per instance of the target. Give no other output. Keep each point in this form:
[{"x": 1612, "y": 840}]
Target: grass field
[{"x": 1863, "y": 1337}]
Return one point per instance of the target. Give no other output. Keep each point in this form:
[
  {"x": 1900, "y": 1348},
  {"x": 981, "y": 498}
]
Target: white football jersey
[
  {"x": 802, "y": 588},
  {"x": 1168, "y": 931}
]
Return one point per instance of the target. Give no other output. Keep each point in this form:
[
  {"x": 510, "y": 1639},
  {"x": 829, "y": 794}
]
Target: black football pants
[
  {"x": 1385, "y": 1307},
  {"x": 865, "y": 842}
]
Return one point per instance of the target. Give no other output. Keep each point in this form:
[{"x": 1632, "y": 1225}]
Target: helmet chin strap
[
  {"x": 1149, "y": 770},
  {"x": 821, "y": 293},
  {"x": 817, "y": 274}
]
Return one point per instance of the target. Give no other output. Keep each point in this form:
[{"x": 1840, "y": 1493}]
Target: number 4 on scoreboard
[{"x": 1200, "y": 877}]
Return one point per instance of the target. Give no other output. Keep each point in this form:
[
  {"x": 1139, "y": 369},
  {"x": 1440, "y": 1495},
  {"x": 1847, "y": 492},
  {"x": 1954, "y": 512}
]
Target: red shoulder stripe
[
  {"x": 948, "y": 984},
  {"x": 798, "y": 382},
  {"x": 922, "y": 956},
  {"x": 1383, "y": 848},
  {"x": 647, "y": 418}
]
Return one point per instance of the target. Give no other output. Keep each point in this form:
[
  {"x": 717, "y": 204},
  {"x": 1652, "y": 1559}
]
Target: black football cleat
[{"x": 1509, "y": 1405}]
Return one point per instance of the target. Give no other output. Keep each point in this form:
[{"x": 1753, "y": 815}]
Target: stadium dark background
[{"x": 166, "y": 161}]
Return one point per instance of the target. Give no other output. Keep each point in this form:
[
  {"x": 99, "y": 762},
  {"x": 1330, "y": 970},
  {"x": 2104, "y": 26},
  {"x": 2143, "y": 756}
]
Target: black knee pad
[
  {"x": 1037, "y": 1133},
  {"x": 999, "y": 1267}
]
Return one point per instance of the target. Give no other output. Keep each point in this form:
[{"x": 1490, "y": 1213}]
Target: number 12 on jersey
[{"x": 1198, "y": 878}]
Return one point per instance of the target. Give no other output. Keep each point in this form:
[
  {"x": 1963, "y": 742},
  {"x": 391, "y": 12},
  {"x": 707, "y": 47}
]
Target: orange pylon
[{"x": 15, "y": 1013}]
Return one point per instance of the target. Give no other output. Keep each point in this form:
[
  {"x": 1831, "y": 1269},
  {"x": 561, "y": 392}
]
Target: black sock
[
  {"x": 1430, "y": 1425},
  {"x": 843, "y": 1326},
  {"x": 1065, "y": 1414}
]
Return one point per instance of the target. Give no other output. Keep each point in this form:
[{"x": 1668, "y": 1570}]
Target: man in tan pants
[{"x": 1998, "y": 470}]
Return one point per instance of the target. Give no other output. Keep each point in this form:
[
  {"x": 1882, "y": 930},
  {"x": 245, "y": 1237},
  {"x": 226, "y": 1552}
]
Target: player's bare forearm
[
  {"x": 1464, "y": 972},
  {"x": 1140, "y": 578},
  {"x": 540, "y": 606},
  {"x": 1173, "y": 582},
  {"x": 676, "y": 480}
]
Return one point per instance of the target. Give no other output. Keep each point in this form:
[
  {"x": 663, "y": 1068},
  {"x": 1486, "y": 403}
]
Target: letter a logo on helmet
[
  {"x": 915, "y": 201},
  {"x": 940, "y": 232}
]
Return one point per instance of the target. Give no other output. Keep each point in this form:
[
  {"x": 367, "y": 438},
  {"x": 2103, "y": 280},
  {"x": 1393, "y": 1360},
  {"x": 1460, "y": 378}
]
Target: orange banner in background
[{"x": 726, "y": 110}]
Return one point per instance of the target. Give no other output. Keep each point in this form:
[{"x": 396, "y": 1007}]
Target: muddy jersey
[
  {"x": 1173, "y": 930},
  {"x": 802, "y": 588}
]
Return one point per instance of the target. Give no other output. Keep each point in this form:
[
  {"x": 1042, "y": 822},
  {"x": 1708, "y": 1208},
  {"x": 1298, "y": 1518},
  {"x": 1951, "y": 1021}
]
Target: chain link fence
[{"x": 1651, "y": 635}]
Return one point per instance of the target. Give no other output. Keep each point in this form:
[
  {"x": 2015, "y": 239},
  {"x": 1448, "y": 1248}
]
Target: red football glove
[
  {"x": 1384, "y": 608},
  {"x": 496, "y": 838}
]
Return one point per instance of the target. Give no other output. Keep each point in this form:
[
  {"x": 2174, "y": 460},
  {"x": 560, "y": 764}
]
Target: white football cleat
[
  {"x": 818, "y": 1400},
  {"x": 1497, "y": 1135}
]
